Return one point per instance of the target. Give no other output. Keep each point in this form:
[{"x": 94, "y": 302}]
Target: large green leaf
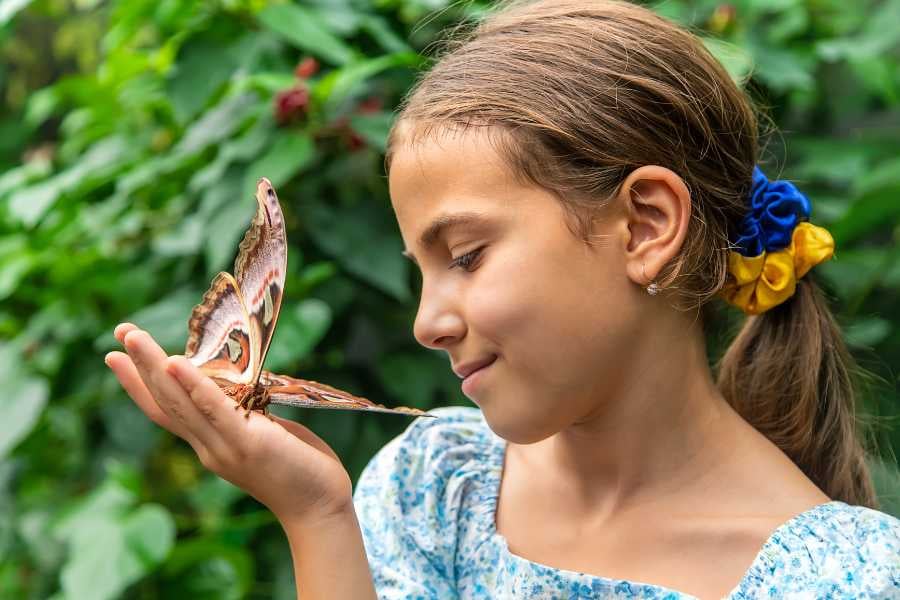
[
  {"x": 204, "y": 64},
  {"x": 103, "y": 160},
  {"x": 306, "y": 30},
  {"x": 337, "y": 85},
  {"x": 22, "y": 403},
  {"x": 875, "y": 210},
  {"x": 111, "y": 544},
  {"x": 288, "y": 154},
  {"x": 364, "y": 242},
  {"x": 300, "y": 328},
  {"x": 207, "y": 568},
  {"x": 166, "y": 320}
]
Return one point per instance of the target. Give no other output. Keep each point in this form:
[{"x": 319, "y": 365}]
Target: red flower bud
[
  {"x": 306, "y": 68},
  {"x": 722, "y": 18},
  {"x": 291, "y": 103},
  {"x": 355, "y": 141},
  {"x": 371, "y": 104}
]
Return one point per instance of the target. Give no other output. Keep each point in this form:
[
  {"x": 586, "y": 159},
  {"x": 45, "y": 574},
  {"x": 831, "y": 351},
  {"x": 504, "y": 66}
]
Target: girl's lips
[
  {"x": 467, "y": 369},
  {"x": 475, "y": 377}
]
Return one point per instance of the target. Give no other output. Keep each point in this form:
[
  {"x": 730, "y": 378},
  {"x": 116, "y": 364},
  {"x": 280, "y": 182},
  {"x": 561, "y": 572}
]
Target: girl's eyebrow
[{"x": 439, "y": 227}]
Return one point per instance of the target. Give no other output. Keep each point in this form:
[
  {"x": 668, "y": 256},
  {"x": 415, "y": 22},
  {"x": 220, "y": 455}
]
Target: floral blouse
[{"x": 426, "y": 505}]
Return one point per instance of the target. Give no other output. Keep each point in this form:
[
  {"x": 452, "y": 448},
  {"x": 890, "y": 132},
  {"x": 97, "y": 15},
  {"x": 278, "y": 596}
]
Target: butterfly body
[{"x": 229, "y": 332}]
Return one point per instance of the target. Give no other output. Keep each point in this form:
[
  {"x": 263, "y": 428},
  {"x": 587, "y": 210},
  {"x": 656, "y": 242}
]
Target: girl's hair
[{"x": 575, "y": 95}]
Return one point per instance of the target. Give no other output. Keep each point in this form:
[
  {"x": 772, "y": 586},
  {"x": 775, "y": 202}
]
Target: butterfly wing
[
  {"x": 260, "y": 269},
  {"x": 220, "y": 339},
  {"x": 312, "y": 394}
]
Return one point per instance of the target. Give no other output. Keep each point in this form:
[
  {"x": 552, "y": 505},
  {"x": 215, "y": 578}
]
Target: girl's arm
[
  {"x": 329, "y": 558},
  {"x": 279, "y": 462}
]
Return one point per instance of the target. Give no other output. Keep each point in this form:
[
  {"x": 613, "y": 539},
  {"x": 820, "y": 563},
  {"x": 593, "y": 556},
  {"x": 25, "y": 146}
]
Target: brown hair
[{"x": 576, "y": 95}]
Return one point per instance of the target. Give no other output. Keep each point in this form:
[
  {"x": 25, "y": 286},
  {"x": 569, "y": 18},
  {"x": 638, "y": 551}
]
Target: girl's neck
[{"x": 664, "y": 430}]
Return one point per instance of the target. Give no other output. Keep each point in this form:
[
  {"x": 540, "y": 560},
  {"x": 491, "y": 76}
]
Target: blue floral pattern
[{"x": 426, "y": 505}]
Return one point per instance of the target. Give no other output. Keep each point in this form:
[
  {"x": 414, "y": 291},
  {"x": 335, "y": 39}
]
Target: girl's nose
[{"x": 438, "y": 321}]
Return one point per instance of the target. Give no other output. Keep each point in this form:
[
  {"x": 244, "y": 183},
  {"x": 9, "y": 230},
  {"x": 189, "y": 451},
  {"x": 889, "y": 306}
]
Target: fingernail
[
  {"x": 106, "y": 358},
  {"x": 173, "y": 370}
]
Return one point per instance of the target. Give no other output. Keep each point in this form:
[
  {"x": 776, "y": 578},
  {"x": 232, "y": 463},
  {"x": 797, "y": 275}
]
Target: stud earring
[{"x": 653, "y": 288}]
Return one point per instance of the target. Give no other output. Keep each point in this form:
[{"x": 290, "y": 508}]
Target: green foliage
[{"x": 131, "y": 136}]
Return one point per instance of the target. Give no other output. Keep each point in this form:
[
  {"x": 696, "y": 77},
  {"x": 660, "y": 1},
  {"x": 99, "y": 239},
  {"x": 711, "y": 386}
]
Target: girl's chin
[{"x": 511, "y": 429}]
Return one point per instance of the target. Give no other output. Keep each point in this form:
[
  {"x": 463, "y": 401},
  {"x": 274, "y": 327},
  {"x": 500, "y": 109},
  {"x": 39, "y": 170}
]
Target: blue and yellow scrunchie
[{"x": 776, "y": 247}]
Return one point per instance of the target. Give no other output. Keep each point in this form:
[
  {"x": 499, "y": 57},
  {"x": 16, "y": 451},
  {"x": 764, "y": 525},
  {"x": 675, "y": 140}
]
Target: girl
[{"x": 577, "y": 181}]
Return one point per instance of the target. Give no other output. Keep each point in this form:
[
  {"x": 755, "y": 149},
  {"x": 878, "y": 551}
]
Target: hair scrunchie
[{"x": 775, "y": 247}]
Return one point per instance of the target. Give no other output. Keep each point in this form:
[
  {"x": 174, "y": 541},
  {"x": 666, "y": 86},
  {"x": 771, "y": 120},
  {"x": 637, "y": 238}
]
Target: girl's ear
[{"x": 657, "y": 211}]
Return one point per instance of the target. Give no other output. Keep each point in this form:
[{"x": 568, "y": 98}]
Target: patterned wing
[
  {"x": 312, "y": 394},
  {"x": 220, "y": 340},
  {"x": 260, "y": 270}
]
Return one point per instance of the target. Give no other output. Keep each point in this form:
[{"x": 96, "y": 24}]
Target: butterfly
[{"x": 229, "y": 332}]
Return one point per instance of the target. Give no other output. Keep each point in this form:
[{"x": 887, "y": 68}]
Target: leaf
[
  {"x": 879, "y": 35},
  {"x": 289, "y": 153},
  {"x": 110, "y": 543},
  {"x": 736, "y": 60},
  {"x": 886, "y": 478},
  {"x": 184, "y": 239},
  {"x": 98, "y": 164},
  {"x": 165, "y": 320},
  {"x": 334, "y": 87},
  {"x": 9, "y": 9},
  {"x": 244, "y": 148},
  {"x": 364, "y": 243},
  {"x": 231, "y": 214},
  {"x": 875, "y": 210},
  {"x": 15, "y": 262},
  {"x": 22, "y": 403},
  {"x": 868, "y": 332},
  {"x": 374, "y": 127},
  {"x": 306, "y": 30},
  {"x": 217, "y": 124},
  {"x": 784, "y": 69},
  {"x": 111, "y": 549},
  {"x": 382, "y": 33},
  {"x": 298, "y": 331},
  {"x": 208, "y": 569},
  {"x": 204, "y": 64},
  {"x": 214, "y": 496},
  {"x": 149, "y": 533},
  {"x": 852, "y": 273}
]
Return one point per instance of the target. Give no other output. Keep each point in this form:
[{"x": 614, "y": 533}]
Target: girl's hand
[{"x": 279, "y": 462}]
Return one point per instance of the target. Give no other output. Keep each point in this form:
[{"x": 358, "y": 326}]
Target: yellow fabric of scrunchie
[{"x": 757, "y": 283}]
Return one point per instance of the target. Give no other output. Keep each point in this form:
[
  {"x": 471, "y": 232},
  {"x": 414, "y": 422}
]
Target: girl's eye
[{"x": 465, "y": 261}]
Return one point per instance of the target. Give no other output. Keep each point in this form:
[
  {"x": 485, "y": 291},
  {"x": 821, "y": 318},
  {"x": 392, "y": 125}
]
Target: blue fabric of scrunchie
[{"x": 775, "y": 209}]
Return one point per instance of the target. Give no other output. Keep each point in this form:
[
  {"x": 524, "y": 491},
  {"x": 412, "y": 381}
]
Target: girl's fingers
[
  {"x": 131, "y": 381},
  {"x": 121, "y": 329},
  {"x": 150, "y": 361},
  {"x": 210, "y": 401}
]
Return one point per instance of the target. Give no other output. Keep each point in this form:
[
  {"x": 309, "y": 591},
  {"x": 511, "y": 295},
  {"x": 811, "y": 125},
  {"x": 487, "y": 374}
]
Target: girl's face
[{"x": 554, "y": 312}]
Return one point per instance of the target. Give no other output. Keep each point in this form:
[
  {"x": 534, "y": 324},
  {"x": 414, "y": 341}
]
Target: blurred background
[{"x": 131, "y": 135}]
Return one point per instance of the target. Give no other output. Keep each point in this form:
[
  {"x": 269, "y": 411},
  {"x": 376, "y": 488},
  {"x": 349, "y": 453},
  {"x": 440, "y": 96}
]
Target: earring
[{"x": 653, "y": 288}]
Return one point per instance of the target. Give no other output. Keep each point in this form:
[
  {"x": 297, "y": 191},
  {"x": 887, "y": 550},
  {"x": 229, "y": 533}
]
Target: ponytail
[{"x": 789, "y": 374}]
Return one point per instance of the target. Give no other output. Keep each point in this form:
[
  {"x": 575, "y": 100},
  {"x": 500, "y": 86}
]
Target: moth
[{"x": 229, "y": 332}]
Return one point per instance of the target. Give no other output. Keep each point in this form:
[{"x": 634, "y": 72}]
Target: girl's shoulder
[
  {"x": 432, "y": 451},
  {"x": 849, "y": 537},
  {"x": 452, "y": 424},
  {"x": 424, "y": 497},
  {"x": 836, "y": 549}
]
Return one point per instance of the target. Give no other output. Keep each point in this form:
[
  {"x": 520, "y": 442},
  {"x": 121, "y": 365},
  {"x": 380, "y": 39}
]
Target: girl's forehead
[{"x": 458, "y": 163}]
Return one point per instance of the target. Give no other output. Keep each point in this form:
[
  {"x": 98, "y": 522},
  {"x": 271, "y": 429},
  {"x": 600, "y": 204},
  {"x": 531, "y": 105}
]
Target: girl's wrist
[
  {"x": 329, "y": 556},
  {"x": 339, "y": 516}
]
